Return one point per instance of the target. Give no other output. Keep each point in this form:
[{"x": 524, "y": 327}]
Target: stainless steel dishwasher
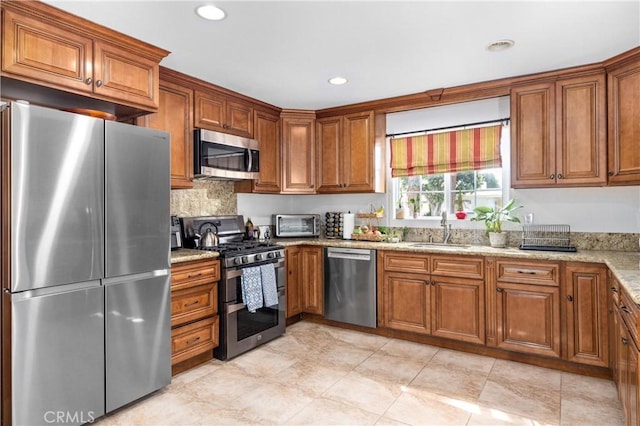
[{"x": 350, "y": 285}]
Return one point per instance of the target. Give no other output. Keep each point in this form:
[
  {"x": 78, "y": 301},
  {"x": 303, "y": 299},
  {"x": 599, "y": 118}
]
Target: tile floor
[{"x": 322, "y": 375}]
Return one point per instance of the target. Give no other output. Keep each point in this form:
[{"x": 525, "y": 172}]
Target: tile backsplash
[{"x": 207, "y": 198}]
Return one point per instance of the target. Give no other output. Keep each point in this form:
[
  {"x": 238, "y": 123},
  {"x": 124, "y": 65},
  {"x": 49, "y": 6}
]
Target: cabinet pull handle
[
  {"x": 89, "y": 81},
  {"x": 552, "y": 176},
  {"x": 625, "y": 341},
  {"x": 191, "y": 341},
  {"x": 194, "y": 275},
  {"x": 570, "y": 298},
  {"x": 520, "y": 271},
  {"x": 99, "y": 83},
  {"x": 625, "y": 309},
  {"x": 186, "y": 305},
  {"x": 613, "y": 289},
  {"x": 499, "y": 290}
]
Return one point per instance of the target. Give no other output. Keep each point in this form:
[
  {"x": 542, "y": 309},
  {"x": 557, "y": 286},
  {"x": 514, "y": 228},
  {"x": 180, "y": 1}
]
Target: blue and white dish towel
[
  {"x": 251, "y": 282},
  {"x": 269, "y": 285}
]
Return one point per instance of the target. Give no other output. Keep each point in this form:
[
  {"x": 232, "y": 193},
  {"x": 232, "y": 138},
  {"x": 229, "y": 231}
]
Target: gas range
[{"x": 235, "y": 251}]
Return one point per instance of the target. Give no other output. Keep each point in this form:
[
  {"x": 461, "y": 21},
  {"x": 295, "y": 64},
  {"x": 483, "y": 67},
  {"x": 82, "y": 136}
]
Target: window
[{"x": 429, "y": 195}]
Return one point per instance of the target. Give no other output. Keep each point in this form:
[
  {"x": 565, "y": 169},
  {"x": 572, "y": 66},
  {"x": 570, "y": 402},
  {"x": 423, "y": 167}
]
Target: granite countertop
[
  {"x": 625, "y": 265},
  {"x": 188, "y": 255}
]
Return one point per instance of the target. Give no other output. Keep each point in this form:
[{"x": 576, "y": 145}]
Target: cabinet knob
[
  {"x": 89, "y": 80},
  {"x": 552, "y": 176},
  {"x": 99, "y": 83},
  {"x": 614, "y": 290},
  {"x": 624, "y": 341},
  {"x": 570, "y": 298},
  {"x": 560, "y": 176},
  {"x": 499, "y": 290},
  {"x": 610, "y": 173}
]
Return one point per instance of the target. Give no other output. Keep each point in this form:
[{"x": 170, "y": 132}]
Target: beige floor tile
[
  {"x": 311, "y": 376},
  {"x": 196, "y": 373},
  {"x": 401, "y": 370},
  {"x": 370, "y": 394},
  {"x": 263, "y": 363},
  {"x": 534, "y": 376},
  {"x": 385, "y": 421},
  {"x": 339, "y": 355},
  {"x": 521, "y": 398},
  {"x": 410, "y": 350},
  {"x": 589, "y": 401},
  {"x": 452, "y": 381},
  {"x": 417, "y": 407},
  {"x": 456, "y": 360},
  {"x": 591, "y": 388},
  {"x": 360, "y": 340},
  {"x": 324, "y": 411},
  {"x": 272, "y": 403},
  {"x": 224, "y": 385},
  {"x": 489, "y": 416}
]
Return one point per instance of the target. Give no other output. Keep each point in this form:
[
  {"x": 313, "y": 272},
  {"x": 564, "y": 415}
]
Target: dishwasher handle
[{"x": 348, "y": 253}]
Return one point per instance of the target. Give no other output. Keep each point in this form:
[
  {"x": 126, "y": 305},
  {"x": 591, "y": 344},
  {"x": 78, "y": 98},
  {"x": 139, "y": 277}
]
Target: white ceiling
[{"x": 283, "y": 52}]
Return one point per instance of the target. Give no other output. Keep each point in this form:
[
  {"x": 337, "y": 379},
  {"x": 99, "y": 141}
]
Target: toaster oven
[{"x": 297, "y": 225}]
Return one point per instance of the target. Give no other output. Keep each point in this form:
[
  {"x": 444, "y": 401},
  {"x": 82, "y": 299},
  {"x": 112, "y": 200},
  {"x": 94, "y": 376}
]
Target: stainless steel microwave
[
  {"x": 221, "y": 156},
  {"x": 297, "y": 225}
]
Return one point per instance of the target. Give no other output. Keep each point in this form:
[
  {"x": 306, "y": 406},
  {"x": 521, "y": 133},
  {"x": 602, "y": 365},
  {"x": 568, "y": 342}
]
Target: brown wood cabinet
[
  {"x": 294, "y": 282},
  {"x": 298, "y": 152},
  {"x": 175, "y": 115},
  {"x": 312, "y": 277},
  {"x": 267, "y": 131},
  {"x": 426, "y": 294},
  {"x": 558, "y": 133},
  {"x": 346, "y": 153},
  {"x": 526, "y": 303},
  {"x": 194, "y": 312},
  {"x": 218, "y": 111},
  {"x": 586, "y": 330},
  {"x": 46, "y": 46},
  {"x": 626, "y": 369},
  {"x": 624, "y": 125}
]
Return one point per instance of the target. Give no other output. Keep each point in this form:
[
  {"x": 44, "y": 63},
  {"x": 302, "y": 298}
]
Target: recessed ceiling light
[
  {"x": 337, "y": 81},
  {"x": 211, "y": 12},
  {"x": 500, "y": 45}
]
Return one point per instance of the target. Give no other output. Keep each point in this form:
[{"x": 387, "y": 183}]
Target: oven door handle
[
  {"x": 235, "y": 273},
  {"x": 240, "y": 306}
]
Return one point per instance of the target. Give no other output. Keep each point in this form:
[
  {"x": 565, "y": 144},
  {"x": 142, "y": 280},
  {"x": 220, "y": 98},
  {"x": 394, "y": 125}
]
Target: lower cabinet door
[
  {"x": 450, "y": 298},
  {"x": 193, "y": 339},
  {"x": 528, "y": 318},
  {"x": 406, "y": 302}
]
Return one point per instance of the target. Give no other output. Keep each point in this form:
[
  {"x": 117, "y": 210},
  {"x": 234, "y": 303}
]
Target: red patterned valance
[{"x": 456, "y": 151}]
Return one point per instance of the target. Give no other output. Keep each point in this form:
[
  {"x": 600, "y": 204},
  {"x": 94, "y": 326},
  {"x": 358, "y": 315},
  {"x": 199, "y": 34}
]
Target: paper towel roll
[{"x": 349, "y": 223}]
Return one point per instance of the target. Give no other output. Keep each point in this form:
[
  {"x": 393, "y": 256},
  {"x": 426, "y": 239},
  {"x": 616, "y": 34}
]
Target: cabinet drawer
[
  {"x": 193, "y": 339},
  {"x": 406, "y": 262},
  {"x": 193, "y": 303},
  {"x": 458, "y": 266},
  {"x": 190, "y": 274},
  {"x": 629, "y": 313},
  {"x": 540, "y": 273}
]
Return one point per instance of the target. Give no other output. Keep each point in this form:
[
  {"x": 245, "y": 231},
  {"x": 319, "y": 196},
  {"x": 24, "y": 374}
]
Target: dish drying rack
[{"x": 547, "y": 238}]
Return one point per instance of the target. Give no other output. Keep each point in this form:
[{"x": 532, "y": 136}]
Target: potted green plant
[
  {"x": 493, "y": 218},
  {"x": 415, "y": 205},
  {"x": 460, "y": 213}
]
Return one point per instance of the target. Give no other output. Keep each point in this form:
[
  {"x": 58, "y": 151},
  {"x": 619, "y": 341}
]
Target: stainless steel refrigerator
[{"x": 87, "y": 289}]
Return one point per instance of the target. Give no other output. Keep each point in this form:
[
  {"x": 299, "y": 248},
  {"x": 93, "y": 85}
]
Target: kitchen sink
[{"x": 441, "y": 246}]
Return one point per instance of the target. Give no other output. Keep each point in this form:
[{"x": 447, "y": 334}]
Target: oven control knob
[
  {"x": 258, "y": 256},
  {"x": 276, "y": 254},
  {"x": 270, "y": 255},
  {"x": 237, "y": 261},
  {"x": 245, "y": 259}
]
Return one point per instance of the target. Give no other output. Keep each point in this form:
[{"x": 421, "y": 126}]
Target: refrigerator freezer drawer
[
  {"x": 138, "y": 338},
  {"x": 57, "y": 355}
]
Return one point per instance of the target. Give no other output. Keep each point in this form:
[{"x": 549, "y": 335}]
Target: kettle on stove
[{"x": 209, "y": 238}]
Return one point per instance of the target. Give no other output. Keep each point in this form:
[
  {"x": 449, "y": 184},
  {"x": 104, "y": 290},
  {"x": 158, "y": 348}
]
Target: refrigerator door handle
[
  {"x": 134, "y": 277},
  {"x": 47, "y": 291}
]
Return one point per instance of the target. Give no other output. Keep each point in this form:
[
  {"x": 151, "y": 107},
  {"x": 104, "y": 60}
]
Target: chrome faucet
[{"x": 446, "y": 228}]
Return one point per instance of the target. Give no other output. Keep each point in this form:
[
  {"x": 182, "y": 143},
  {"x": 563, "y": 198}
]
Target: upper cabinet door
[
  {"x": 330, "y": 163},
  {"x": 44, "y": 53},
  {"x": 357, "y": 152},
  {"x": 215, "y": 111},
  {"x": 533, "y": 135},
  {"x": 175, "y": 116},
  {"x": 624, "y": 124},
  {"x": 581, "y": 131},
  {"x": 267, "y": 132},
  {"x": 121, "y": 75},
  {"x": 298, "y": 154}
]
